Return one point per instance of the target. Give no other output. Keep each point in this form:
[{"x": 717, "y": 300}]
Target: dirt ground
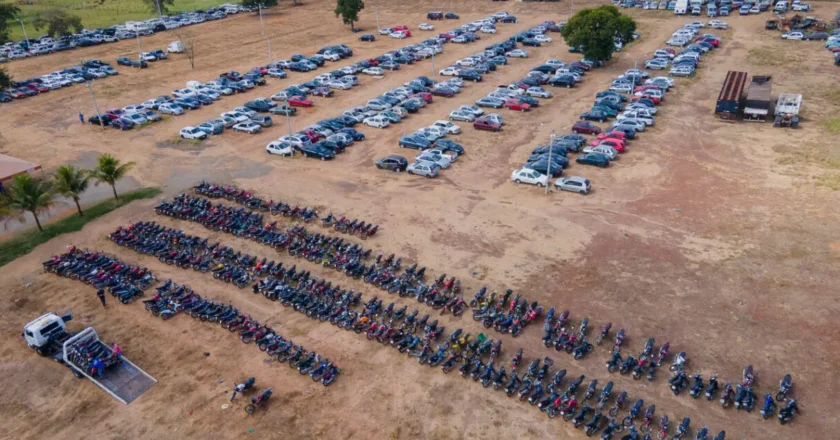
[{"x": 720, "y": 238}]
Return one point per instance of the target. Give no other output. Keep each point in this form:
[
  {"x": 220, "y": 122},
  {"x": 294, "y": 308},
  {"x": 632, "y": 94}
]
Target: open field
[
  {"x": 720, "y": 238},
  {"x": 98, "y": 14}
]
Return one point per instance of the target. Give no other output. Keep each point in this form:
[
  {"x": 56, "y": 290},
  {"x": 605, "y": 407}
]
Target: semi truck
[{"x": 49, "y": 337}]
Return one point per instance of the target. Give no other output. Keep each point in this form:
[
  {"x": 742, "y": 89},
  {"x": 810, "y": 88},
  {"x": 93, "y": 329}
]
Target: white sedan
[
  {"x": 236, "y": 116},
  {"x": 171, "y": 109},
  {"x": 426, "y": 27},
  {"x": 375, "y": 71},
  {"x": 377, "y": 121},
  {"x": 449, "y": 71},
  {"x": 517, "y": 53},
  {"x": 488, "y": 30},
  {"x": 247, "y": 127},
  {"x": 543, "y": 39},
  {"x": 280, "y": 148},
  {"x": 527, "y": 175},
  {"x": 190, "y": 132},
  {"x": 448, "y": 127},
  {"x": 399, "y": 34}
]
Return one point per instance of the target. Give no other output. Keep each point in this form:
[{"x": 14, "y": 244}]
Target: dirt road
[{"x": 704, "y": 233}]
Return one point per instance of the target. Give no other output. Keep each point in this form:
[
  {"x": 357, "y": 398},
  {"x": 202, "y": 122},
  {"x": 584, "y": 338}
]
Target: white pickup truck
[{"x": 49, "y": 337}]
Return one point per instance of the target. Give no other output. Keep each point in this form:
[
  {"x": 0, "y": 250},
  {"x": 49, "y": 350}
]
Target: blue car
[
  {"x": 415, "y": 142},
  {"x": 187, "y": 103},
  {"x": 352, "y": 132}
]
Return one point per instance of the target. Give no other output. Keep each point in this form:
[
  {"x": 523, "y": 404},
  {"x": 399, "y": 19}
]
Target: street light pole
[
  {"x": 377, "y": 20},
  {"x": 433, "y": 63},
  {"x": 550, "y": 147},
  {"x": 270, "y": 58},
  {"x": 24, "y": 32},
  {"x": 262, "y": 27},
  {"x": 139, "y": 51},
  {"x": 160, "y": 12},
  {"x": 89, "y": 86}
]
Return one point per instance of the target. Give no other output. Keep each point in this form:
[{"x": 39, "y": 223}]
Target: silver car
[
  {"x": 573, "y": 183},
  {"x": 262, "y": 120},
  {"x": 427, "y": 169},
  {"x": 437, "y": 159},
  {"x": 459, "y": 115}
]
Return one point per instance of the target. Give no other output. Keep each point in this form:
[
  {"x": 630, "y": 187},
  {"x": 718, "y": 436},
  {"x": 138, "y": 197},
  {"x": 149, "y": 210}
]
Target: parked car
[
  {"x": 280, "y": 148},
  {"x": 426, "y": 169},
  {"x": 367, "y": 37},
  {"x": 190, "y": 132},
  {"x": 299, "y": 101},
  {"x": 487, "y": 123},
  {"x": 316, "y": 151},
  {"x": 595, "y": 159},
  {"x": 606, "y": 150},
  {"x": 377, "y": 121},
  {"x": 576, "y": 184},
  {"x": 415, "y": 142},
  {"x": 249, "y": 127},
  {"x": 527, "y": 175},
  {"x": 170, "y": 109},
  {"x": 517, "y": 53},
  {"x": 460, "y": 115},
  {"x": 392, "y": 163},
  {"x": 490, "y": 102},
  {"x": 262, "y": 120}
]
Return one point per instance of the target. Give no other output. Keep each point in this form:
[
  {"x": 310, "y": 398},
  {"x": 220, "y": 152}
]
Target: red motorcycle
[{"x": 257, "y": 401}]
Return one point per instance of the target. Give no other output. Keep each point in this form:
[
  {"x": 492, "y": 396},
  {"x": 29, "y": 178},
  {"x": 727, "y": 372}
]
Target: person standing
[
  {"x": 81, "y": 118},
  {"x": 99, "y": 366},
  {"x": 101, "y": 294},
  {"x": 117, "y": 351}
]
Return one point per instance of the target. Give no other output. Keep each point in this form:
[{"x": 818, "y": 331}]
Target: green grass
[
  {"x": 832, "y": 124},
  {"x": 23, "y": 242},
  {"x": 95, "y": 14}
]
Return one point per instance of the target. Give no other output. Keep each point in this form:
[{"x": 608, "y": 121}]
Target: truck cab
[{"x": 46, "y": 333}]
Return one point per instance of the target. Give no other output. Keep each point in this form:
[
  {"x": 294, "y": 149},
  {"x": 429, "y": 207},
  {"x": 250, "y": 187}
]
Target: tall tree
[
  {"x": 58, "y": 22},
  {"x": 595, "y": 31},
  {"x": 255, "y": 3},
  {"x": 161, "y": 6},
  {"x": 71, "y": 182},
  {"x": 8, "y": 12},
  {"x": 187, "y": 38},
  {"x": 5, "y": 79},
  {"x": 110, "y": 171},
  {"x": 349, "y": 11},
  {"x": 29, "y": 194}
]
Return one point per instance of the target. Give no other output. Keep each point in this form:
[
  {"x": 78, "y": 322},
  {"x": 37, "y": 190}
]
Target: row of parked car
[
  {"x": 693, "y": 46},
  {"x": 46, "y": 45},
  {"x": 87, "y": 71}
]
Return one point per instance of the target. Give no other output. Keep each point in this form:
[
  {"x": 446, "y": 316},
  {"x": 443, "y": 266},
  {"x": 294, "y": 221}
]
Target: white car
[
  {"x": 134, "y": 108},
  {"x": 279, "y": 148},
  {"x": 280, "y": 96},
  {"x": 146, "y": 56},
  {"x": 621, "y": 88},
  {"x": 453, "y": 156},
  {"x": 696, "y": 24},
  {"x": 331, "y": 56},
  {"x": 461, "y": 115},
  {"x": 135, "y": 117},
  {"x": 435, "y": 130},
  {"x": 681, "y": 71},
  {"x": 795, "y": 35},
  {"x": 426, "y": 27},
  {"x": 466, "y": 62},
  {"x": 437, "y": 159},
  {"x": 190, "y": 132},
  {"x": 527, "y": 175},
  {"x": 377, "y": 121},
  {"x": 171, "y": 109},
  {"x": 236, "y": 116},
  {"x": 517, "y": 53},
  {"x": 341, "y": 85},
  {"x": 247, "y": 127},
  {"x": 376, "y": 104},
  {"x": 246, "y": 111},
  {"x": 384, "y": 31},
  {"x": 606, "y": 150},
  {"x": 277, "y": 73},
  {"x": 183, "y": 93},
  {"x": 450, "y": 71},
  {"x": 574, "y": 184},
  {"x": 543, "y": 39},
  {"x": 538, "y": 92},
  {"x": 398, "y": 34},
  {"x": 717, "y": 24},
  {"x": 473, "y": 109},
  {"x": 448, "y": 127},
  {"x": 375, "y": 71},
  {"x": 669, "y": 81},
  {"x": 488, "y": 29},
  {"x": 554, "y": 62}
]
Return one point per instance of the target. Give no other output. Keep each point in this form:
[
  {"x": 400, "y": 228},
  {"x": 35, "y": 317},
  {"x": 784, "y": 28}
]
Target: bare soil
[{"x": 717, "y": 237}]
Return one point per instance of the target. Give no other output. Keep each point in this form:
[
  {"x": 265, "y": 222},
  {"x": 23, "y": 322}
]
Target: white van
[{"x": 175, "y": 47}]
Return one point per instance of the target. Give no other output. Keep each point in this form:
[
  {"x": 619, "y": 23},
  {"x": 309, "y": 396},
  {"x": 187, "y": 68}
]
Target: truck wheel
[
  {"x": 40, "y": 351},
  {"x": 77, "y": 374}
]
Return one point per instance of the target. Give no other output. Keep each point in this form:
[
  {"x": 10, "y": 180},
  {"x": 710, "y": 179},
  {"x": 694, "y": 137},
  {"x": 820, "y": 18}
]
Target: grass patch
[
  {"x": 96, "y": 14},
  {"x": 24, "y": 242},
  {"x": 832, "y": 124},
  {"x": 768, "y": 56},
  {"x": 828, "y": 180}
]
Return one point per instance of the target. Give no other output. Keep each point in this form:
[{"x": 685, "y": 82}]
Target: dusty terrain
[{"x": 721, "y": 238}]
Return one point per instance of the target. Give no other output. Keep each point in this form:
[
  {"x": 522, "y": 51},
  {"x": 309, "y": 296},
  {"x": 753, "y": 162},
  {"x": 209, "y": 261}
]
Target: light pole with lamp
[
  {"x": 89, "y": 85},
  {"x": 24, "y": 33}
]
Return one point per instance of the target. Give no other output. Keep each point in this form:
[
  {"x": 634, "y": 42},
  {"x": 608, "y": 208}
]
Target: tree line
[{"x": 35, "y": 195}]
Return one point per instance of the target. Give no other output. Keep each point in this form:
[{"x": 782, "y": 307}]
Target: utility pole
[
  {"x": 433, "y": 63},
  {"x": 139, "y": 51},
  {"x": 377, "y": 20},
  {"x": 550, "y": 147},
  {"x": 270, "y": 58},
  {"x": 160, "y": 12},
  {"x": 262, "y": 27},
  {"x": 89, "y": 86},
  {"x": 289, "y": 124},
  {"x": 24, "y": 33}
]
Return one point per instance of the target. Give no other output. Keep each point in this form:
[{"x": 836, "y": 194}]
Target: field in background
[{"x": 95, "y": 14}]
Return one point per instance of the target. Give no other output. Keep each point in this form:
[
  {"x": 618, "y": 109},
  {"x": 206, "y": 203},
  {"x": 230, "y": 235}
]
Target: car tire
[
  {"x": 539, "y": 185},
  {"x": 583, "y": 192},
  {"x": 517, "y": 181}
]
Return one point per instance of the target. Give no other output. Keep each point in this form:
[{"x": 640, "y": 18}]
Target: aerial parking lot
[{"x": 706, "y": 240}]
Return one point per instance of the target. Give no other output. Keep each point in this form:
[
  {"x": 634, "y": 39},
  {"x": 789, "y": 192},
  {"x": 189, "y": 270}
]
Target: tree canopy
[
  {"x": 27, "y": 193},
  {"x": 8, "y": 12},
  {"x": 164, "y": 5},
  {"x": 70, "y": 181},
  {"x": 595, "y": 31},
  {"x": 349, "y": 10},
  {"x": 110, "y": 170},
  {"x": 5, "y": 79},
  {"x": 58, "y": 22},
  {"x": 255, "y": 3}
]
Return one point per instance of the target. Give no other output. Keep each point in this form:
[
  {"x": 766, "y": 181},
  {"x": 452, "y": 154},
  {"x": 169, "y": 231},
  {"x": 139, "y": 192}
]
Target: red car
[
  {"x": 401, "y": 27},
  {"x": 446, "y": 36},
  {"x": 38, "y": 88},
  {"x": 586, "y": 127},
  {"x": 670, "y": 50},
  {"x": 618, "y": 144},
  {"x": 17, "y": 94},
  {"x": 647, "y": 87},
  {"x": 115, "y": 113},
  {"x": 655, "y": 99},
  {"x": 373, "y": 62},
  {"x": 483, "y": 123},
  {"x": 322, "y": 91},
  {"x": 613, "y": 135},
  {"x": 517, "y": 105},
  {"x": 713, "y": 41},
  {"x": 313, "y": 136},
  {"x": 299, "y": 101},
  {"x": 426, "y": 96},
  {"x": 261, "y": 69}
]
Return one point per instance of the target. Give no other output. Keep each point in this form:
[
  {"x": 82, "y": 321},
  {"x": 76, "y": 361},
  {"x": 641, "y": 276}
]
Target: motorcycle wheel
[
  {"x": 613, "y": 411},
  {"x": 250, "y": 408},
  {"x": 568, "y": 416}
]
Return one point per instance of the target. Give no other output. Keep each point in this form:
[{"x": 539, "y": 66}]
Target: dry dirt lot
[{"x": 721, "y": 238}]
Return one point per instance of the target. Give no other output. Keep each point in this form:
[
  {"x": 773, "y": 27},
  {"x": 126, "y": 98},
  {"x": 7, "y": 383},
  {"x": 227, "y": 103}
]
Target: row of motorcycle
[
  {"x": 424, "y": 339},
  {"x": 243, "y": 197},
  {"x": 124, "y": 281},
  {"x": 171, "y": 298}
]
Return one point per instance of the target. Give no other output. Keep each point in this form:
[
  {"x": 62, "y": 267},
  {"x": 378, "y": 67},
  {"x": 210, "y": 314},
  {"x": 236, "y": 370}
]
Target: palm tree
[
  {"x": 29, "y": 194},
  {"x": 72, "y": 182},
  {"x": 110, "y": 171}
]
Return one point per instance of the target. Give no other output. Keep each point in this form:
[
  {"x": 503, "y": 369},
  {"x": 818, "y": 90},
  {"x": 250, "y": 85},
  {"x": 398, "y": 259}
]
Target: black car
[
  {"x": 352, "y": 132},
  {"x": 553, "y": 150},
  {"x": 255, "y": 78},
  {"x": 445, "y": 145},
  {"x": 599, "y": 160},
  {"x": 333, "y": 146},
  {"x": 99, "y": 120},
  {"x": 393, "y": 163},
  {"x": 140, "y": 64},
  {"x": 259, "y": 106},
  {"x": 469, "y": 75},
  {"x": 594, "y": 116},
  {"x": 123, "y": 61},
  {"x": 317, "y": 152},
  {"x": 4, "y": 97},
  {"x": 557, "y": 159},
  {"x": 159, "y": 54},
  {"x": 543, "y": 167},
  {"x": 122, "y": 124},
  {"x": 451, "y": 16},
  {"x": 411, "y": 106},
  {"x": 367, "y": 37},
  {"x": 426, "y": 81},
  {"x": 816, "y": 36},
  {"x": 578, "y": 139},
  {"x": 508, "y": 19},
  {"x": 611, "y": 92},
  {"x": 346, "y": 121},
  {"x": 567, "y": 81}
]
